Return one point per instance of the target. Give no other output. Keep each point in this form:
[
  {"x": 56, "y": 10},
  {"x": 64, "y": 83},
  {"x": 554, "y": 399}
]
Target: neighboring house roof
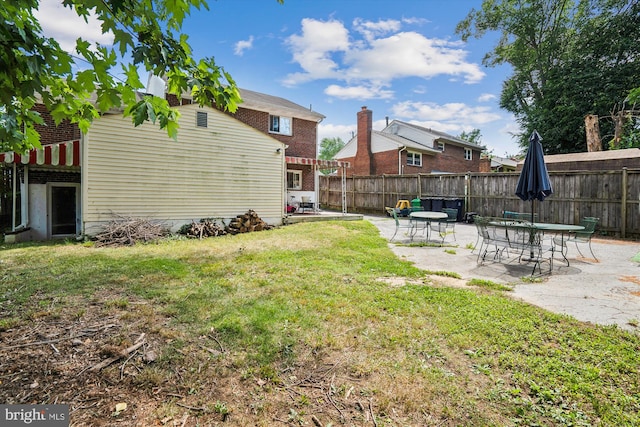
[
  {"x": 381, "y": 142},
  {"x": 497, "y": 162},
  {"x": 426, "y": 136},
  {"x": 627, "y": 153},
  {"x": 275, "y": 105}
]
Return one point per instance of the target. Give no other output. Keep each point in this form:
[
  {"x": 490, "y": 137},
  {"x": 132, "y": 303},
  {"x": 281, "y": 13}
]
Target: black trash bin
[
  {"x": 437, "y": 204},
  {"x": 426, "y": 203}
]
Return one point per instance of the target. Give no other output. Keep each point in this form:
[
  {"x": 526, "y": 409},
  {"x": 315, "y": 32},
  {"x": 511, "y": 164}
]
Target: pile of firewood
[
  {"x": 204, "y": 228},
  {"x": 129, "y": 231},
  {"x": 246, "y": 223},
  {"x": 250, "y": 221}
]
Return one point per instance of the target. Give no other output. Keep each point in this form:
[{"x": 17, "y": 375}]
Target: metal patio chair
[
  {"x": 400, "y": 224},
  {"x": 584, "y": 236},
  {"x": 447, "y": 225}
]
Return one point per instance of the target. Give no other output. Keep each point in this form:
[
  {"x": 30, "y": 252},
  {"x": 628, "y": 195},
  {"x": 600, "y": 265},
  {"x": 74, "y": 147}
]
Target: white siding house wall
[
  {"x": 380, "y": 144},
  {"x": 220, "y": 171}
]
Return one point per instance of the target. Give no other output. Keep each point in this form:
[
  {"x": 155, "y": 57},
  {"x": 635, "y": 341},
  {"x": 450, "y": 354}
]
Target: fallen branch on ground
[
  {"x": 126, "y": 231},
  {"x": 125, "y": 352}
]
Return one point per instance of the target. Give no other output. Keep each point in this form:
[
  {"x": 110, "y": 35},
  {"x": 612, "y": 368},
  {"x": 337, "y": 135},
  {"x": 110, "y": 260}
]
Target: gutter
[{"x": 400, "y": 160}]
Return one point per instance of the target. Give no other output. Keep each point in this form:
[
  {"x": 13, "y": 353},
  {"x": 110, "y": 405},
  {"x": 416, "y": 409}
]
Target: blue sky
[{"x": 400, "y": 58}]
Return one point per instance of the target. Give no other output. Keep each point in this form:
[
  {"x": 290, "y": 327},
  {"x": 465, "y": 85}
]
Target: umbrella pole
[
  {"x": 532, "y": 237},
  {"x": 533, "y": 201}
]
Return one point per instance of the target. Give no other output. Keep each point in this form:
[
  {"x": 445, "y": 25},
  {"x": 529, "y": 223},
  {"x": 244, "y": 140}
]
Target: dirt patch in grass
[
  {"x": 437, "y": 281},
  {"x": 64, "y": 357}
]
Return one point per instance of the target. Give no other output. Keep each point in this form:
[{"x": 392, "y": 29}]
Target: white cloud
[
  {"x": 370, "y": 29},
  {"x": 486, "y": 97},
  {"x": 453, "y": 112},
  {"x": 344, "y": 132},
  {"x": 358, "y": 92},
  {"x": 313, "y": 49},
  {"x": 409, "y": 54},
  {"x": 327, "y": 50},
  {"x": 243, "y": 45},
  {"x": 415, "y": 21},
  {"x": 65, "y": 26},
  {"x": 420, "y": 90}
]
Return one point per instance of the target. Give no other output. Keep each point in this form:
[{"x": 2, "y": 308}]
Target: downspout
[
  {"x": 14, "y": 197},
  {"x": 316, "y": 174},
  {"x": 316, "y": 187},
  {"x": 284, "y": 192},
  {"x": 400, "y": 160},
  {"x": 84, "y": 183},
  {"x": 24, "y": 200}
]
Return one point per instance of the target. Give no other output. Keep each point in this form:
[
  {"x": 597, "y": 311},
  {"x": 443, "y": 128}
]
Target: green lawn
[{"x": 295, "y": 326}]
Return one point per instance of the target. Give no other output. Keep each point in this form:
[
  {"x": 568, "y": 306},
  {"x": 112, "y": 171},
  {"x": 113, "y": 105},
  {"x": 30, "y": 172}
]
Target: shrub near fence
[{"x": 613, "y": 196}]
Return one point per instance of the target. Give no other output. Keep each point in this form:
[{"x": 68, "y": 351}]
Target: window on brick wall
[
  {"x": 440, "y": 146},
  {"x": 468, "y": 154},
  {"x": 280, "y": 124},
  {"x": 414, "y": 159},
  {"x": 294, "y": 180}
]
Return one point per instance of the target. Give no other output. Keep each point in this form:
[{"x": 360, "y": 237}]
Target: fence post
[
  {"x": 467, "y": 193},
  {"x": 383, "y": 194},
  {"x": 353, "y": 192},
  {"x": 623, "y": 208}
]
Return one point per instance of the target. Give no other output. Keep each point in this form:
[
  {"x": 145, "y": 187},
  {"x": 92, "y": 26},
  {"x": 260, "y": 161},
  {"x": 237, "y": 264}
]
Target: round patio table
[{"x": 425, "y": 217}]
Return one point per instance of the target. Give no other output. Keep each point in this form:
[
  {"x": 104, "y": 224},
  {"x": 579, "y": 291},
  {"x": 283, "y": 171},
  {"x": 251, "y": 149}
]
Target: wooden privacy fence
[{"x": 613, "y": 196}]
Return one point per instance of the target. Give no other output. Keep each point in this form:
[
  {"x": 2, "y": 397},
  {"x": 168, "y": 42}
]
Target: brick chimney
[{"x": 362, "y": 164}]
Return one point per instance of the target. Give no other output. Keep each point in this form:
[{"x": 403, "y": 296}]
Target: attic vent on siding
[{"x": 201, "y": 119}]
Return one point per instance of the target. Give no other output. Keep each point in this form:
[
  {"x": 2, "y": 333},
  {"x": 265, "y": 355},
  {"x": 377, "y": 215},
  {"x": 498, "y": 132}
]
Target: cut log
[{"x": 592, "y": 128}]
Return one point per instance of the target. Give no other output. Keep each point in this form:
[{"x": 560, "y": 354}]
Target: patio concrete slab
[{"x": 605, "y": 291}]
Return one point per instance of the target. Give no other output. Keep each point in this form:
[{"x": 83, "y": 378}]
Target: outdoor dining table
[
  {"x": 424, "y": 217},
  {"x": 535, "y": 241}
]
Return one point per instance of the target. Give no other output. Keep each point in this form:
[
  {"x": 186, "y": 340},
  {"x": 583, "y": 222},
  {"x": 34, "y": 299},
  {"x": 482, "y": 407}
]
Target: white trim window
[
  {"x": 440, "y": 146},
  {"x": 414, "y": 159},
  {"x": 280, "y": 125},
  {"x": 468, "y": 154},
  {"x": 294, "y": 180}
]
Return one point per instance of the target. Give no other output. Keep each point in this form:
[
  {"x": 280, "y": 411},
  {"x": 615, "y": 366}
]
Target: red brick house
[
  {"x": 403, "y": 148},
  {"x": 294, "y": 125}
]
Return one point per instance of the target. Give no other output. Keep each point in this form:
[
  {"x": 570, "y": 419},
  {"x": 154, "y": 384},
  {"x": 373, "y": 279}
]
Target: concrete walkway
[{"x": 604, "y": 291}]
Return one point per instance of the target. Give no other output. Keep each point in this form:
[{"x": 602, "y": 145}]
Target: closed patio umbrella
[{"x": 534, "y": 183}]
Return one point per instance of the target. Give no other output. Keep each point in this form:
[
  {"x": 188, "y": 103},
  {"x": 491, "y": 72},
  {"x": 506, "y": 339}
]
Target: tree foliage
[
  {"x": 634, "y": 96},
  {"x": 474, "y": 136},
  {"x": 79, "y": 86},
  {"x": 329, "y": 147},
  {"x": 570, "y": 58}
]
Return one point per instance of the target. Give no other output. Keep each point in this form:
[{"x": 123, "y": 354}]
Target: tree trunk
[{"x": 592, "y": 127}]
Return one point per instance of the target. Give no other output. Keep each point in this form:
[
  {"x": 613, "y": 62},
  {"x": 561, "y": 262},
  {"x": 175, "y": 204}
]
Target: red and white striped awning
[
  {"x": 61, "y": 154},
  {"x": 327, "y": 164}
]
